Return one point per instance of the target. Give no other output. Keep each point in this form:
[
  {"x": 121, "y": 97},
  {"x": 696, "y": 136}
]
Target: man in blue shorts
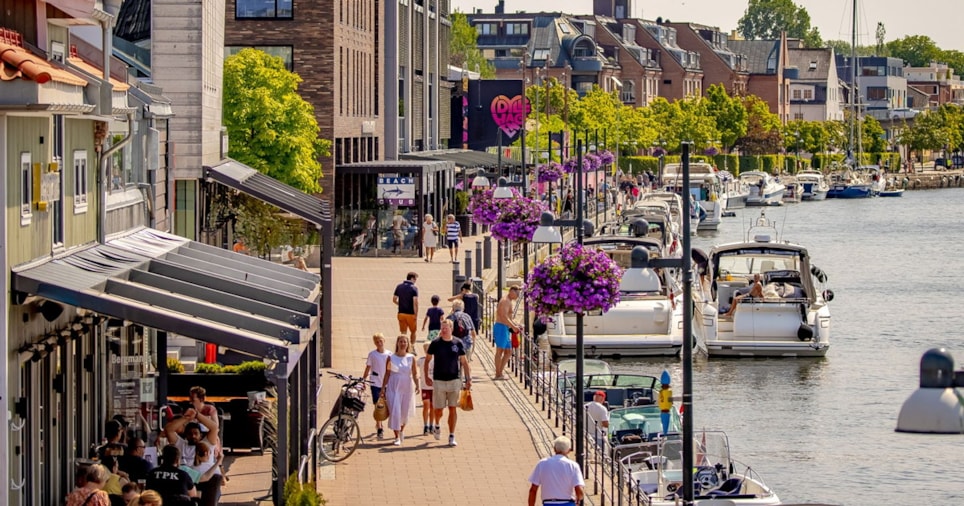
[
  {"x": 502, "y": 330},
  {"x": 453, "y": 234}
]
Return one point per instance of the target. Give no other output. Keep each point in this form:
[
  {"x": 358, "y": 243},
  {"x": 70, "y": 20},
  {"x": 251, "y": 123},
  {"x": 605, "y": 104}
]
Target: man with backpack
[{"x": 463, "y": 327}]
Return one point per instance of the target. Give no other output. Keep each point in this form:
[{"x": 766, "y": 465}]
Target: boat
[
  {"x": 706, "y": 190},
  {"x": 814, "y": 185},
  {"x": 794, "y": 190},
  {"x": 891, "y": 189},
  {"x": 657, "y": 470},
  {"x": 736, "y": 191},
  {"x": 764, "y": 190},
  {"x": 676, "y": 213},
  {"x": 791, "y": 319},
  {"x": 621, "y": 389},
  {"x": 647, "y": 321},
  {"x": 849, "y": 185}
]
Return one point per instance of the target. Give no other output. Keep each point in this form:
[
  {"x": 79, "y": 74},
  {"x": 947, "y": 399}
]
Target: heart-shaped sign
[{"x": 509, "y": 114}]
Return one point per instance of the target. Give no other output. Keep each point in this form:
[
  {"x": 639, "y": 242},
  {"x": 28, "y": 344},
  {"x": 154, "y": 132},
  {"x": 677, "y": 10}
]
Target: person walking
[
  {"x": 433, "y": 318},
  {"x": 375, "y": 372},
  {"x": 471, "y": 303},
  {"x": 429, "y": 237},
  {"x": 501, "y": 331},
  {"x": 453, "y": 234},
  {"x": 396, "y": 389},
  {"x": 406, "y": 298},
  {"x": 447, "y": 354},
  {"x": 91, "y": 493},
  {"x": 399, "y": 228},
  {"x": 560, "y": 478},
  {"x": 463, "y": 327}
]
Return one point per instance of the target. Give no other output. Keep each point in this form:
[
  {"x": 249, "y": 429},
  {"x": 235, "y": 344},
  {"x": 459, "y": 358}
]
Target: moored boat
[
  {"x": 814, "y": 185},
  {"x": 764, "y": 190},
  {"x": 705, "y": 187}
]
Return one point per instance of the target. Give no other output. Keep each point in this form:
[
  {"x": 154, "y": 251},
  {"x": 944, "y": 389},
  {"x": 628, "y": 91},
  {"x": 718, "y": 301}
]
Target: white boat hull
[
  {"x": 648, "y": 327},
  {"x": 762, "y": 329}
]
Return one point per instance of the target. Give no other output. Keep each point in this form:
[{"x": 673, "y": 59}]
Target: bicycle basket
[{"x": 353, "y": 403}]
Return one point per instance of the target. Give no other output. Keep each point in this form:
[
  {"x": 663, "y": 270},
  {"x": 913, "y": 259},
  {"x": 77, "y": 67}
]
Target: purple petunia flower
[{"x": 577, "y": 279}]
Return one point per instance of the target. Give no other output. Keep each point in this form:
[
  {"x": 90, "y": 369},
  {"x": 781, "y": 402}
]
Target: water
[{"x": 822, "y": 430}]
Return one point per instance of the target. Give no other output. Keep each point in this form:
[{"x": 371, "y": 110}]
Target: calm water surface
[{"x": 822, "y": 430}]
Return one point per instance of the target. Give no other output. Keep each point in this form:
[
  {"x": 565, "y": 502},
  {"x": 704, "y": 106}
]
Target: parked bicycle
[{"x": 340, "y": 435}]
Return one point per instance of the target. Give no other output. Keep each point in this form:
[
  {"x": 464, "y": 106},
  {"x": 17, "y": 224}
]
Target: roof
[
  {"x": 759, "y": 54},
  {"x": 814, "y": 63},
  {"x": 462, "y": 157},
  {"x": 134, "y": 20},
  {"x": 170, "y": 283},
  {"x": 93, "y": 70},
  {"x": 239, "y": 176},
  {"x": 17, "y": 62}
]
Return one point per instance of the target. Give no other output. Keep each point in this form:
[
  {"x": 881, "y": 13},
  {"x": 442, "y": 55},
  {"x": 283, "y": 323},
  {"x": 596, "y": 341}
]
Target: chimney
[{"x": 500, "y": 7}]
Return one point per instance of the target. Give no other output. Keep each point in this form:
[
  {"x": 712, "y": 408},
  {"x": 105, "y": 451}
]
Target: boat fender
[
  {"x": 828, "y": 295},
  {"x": 943, "y": 181},
  {"x": 906, "y": 181},
  {"x": 804, "y": 332},
  {"x": 539, "y": 327}
]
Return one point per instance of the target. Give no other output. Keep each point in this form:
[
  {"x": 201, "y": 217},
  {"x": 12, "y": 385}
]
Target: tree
[
  {"x": 463, "y": 47},
  {"x": 927, "y": 133},
  {"x": 954, "y": 59},
  {"x": 766, "y": 19},
  {"x": 915, "y": 50},
  {"x": 728, "y": 112},
  {"x": 764, "y": 133},
  {"x": 872, "y": 135},
  {"x": 879, "y": 36},
  {"x": 842, "y": 47},
  {"x": 272, "y": 129},
  {"x": 683, "y": 120}
]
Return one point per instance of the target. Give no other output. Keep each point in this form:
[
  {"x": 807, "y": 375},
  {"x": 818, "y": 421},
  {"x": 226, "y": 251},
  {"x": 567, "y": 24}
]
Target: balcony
[{"x": 586, "y": 64}]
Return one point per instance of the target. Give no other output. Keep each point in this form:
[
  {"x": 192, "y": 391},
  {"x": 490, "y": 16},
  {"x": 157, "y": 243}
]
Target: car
[{"x": 956, "y": 162}]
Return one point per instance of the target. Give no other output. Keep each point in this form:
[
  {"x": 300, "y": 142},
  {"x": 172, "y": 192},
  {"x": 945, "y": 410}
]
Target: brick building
[{"x": 720, "y": 64}]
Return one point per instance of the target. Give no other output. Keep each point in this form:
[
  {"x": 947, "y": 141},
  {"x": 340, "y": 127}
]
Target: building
[
  {"x": 938, "y": 82},
  {"x": 639, "y": 72},
  {"x": 882, "y": 85},
  {"x": 682, "y": 69},
  {"x": 816, "y": 93},
  {"x": 766, "y": 62},
  {"x": 719, "y": 63}
]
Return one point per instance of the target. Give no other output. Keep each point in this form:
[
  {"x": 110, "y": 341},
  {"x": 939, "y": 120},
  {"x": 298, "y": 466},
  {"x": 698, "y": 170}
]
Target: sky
[{"x": 831, "y": 17}]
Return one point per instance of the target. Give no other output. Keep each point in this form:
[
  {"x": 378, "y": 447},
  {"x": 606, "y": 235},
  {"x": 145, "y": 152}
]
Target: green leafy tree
[
  {"x": 916, "y": 50},
  {"x": 463, "y": 47},
  {"x": 766, "y": 19},
  {"x": 842, "y": 47},
  {"x": 272, "y": 129},
  {"x": 683, "y": 120},
  {"x": 927, "y": 133},
  {"x": 954, "y": 59},
  {"x": 729, "y": 113},
  {"x": 873, "y": 136},
  {"x": 764, "y": 133}
]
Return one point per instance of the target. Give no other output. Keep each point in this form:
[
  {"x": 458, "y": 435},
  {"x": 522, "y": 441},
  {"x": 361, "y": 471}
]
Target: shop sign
[{"x": 396, "y": 191}]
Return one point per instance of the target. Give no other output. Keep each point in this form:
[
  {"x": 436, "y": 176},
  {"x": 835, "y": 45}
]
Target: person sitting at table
[{"x": 197, "y": 396}]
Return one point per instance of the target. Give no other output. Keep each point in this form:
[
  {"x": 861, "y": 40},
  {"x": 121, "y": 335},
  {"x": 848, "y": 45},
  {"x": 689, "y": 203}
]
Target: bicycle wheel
[{"x": 340, "y": 436}]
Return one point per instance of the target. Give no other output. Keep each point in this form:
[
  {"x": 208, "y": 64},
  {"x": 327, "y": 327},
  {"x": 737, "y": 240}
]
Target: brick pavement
[{"x": 499, "y": 442}]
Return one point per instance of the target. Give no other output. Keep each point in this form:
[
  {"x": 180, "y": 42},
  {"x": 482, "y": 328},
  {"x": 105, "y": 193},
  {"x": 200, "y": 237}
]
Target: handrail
[{"x": 303, "y": 465}]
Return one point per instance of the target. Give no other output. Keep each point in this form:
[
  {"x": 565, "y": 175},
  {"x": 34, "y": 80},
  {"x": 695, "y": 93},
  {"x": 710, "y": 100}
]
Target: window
[
  {"x": 80, "y": 181},
  {"x": 540, "y": 54},
  {"x": 876, "y": 93},
  {"x": 487, "y": 29},
  {"x": 263, "y": 9},
  {"x": 286, "y": 53},
  {"x": 517, "y": 29},
  {"x": 57, "y": 51},
  {"x": 798, "y": 115},
  {"x": 26, "y": 188},
  {"x": 796, "y": 94},
  {"x": 808, "y": 94}
]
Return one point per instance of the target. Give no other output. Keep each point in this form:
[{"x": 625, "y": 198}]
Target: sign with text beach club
[{"x": 396, "y": 191}]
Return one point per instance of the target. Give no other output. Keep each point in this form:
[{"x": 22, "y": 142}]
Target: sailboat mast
[{"x": 854, "y": 89}]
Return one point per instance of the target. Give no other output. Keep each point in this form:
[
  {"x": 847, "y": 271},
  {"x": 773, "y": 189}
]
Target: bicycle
[{"x": 341, "y": 435}]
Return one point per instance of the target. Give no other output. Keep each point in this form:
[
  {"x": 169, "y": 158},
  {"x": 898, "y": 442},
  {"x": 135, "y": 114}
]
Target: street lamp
[{"x": 548, "y": 233}]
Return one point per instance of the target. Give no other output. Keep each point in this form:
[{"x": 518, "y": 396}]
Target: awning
[
  {"x": 239, "y": 176},
  {"x": 461, "y": 157},
  {"x": 167, "y": 282},
  {"x": 616, "y": 81}
]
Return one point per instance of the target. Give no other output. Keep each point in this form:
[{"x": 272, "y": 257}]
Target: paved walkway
[{"x": 498, "y": 443}]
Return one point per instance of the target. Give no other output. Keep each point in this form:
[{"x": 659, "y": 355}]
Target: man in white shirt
[
  {"x": 597, "y": 414},
  {"x": 375, "y": 372},
  {"x": 560, "y": 478}
]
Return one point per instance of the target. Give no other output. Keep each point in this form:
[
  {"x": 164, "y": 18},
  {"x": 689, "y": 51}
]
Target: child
[
  {"x": 433, "y": 317},
  {"x": 426, "y": 391},
  {"x": 377, "y": 359}
]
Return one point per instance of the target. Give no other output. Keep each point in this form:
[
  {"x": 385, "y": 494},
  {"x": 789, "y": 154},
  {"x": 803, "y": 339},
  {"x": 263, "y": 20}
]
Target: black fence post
[
  {"x": 468, "y": 263},
  {"x": 487, "y": 264},
  {"x": 457, "y": 278},
  {"x": 478, "y": 259}
]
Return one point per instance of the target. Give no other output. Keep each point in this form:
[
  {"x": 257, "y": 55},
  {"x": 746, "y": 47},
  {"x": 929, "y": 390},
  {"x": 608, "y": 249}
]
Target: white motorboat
[
  {"x": 791, "y": 319},
  {"x": 676, "y": 213},
  {"x": 814, "y": 185},
  {"x": 705, "y": 187},
  {"x": 647, "y": 321},
  {"x": 794, "y": 190},
  {"x": 736, "y": 191},
  {"x": 764, "y": 189},
  {"x": 657, "y": 470}
]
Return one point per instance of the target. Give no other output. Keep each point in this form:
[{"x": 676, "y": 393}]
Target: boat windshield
[
  {"x": 741, "y": 264},
  {"x": 645, "y": 419}
]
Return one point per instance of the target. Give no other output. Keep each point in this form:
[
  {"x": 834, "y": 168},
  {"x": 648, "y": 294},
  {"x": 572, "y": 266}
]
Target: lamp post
[{"x": 547, "y": 233}]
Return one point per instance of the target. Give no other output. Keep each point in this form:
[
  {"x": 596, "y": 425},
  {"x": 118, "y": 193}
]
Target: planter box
[{"x": 228, "y": 385}]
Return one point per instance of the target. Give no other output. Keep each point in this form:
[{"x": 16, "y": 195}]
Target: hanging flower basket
[
  {"x": 572, "y": 164},
  {"x": 485, "y": 209},
  {"x": 518, "y": 219},
  {"x": 594, "y": 162},
  {"x": 550, "y": 172},
  {"x": 606, "y": 157},
  {"x": 577, "y": 279},
  {"x": 710, "y": 151}
]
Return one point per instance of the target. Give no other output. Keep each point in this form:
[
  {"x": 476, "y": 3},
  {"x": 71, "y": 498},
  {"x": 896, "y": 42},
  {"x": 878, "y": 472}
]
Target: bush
[
  {"x": 208, "y": 369},
  {"x": 461, "y": 201},
  {"x": 636, "y": 164},
  {"x": 296, "y": 494},
  {"x": 174, "y": 365},
  {"x": 252, "y": 367}
]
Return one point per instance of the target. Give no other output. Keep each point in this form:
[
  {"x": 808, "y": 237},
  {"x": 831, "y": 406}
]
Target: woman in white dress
[
  {"x": 399, "y": 370},
  {"x": 429, "y": 237}
]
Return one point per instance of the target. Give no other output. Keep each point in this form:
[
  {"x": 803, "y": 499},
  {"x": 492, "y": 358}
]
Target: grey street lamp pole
[
  {"x": 580, "y": 342},
  {"x": 687, "y": 342}
]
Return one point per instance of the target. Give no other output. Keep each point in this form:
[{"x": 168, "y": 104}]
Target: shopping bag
[
  {"x": 465, "y": 400},
  {"x": 381, "y": 410},
  {"x": 516, "y": 341}
]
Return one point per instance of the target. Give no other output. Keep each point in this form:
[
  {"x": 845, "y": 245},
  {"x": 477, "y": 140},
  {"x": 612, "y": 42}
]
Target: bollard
[
  {"x": 478, "y": 259},
  {"x": 487, "y": 263},
  {"x": 468, "y": 263},
  {"x": 456, "y": 278}
]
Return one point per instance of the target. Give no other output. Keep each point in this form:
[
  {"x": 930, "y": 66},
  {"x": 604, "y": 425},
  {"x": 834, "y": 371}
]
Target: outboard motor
[{"x": 935, "y": 408}]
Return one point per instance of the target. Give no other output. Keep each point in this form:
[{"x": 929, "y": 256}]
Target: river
[{"x": 822, "y": 430}]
